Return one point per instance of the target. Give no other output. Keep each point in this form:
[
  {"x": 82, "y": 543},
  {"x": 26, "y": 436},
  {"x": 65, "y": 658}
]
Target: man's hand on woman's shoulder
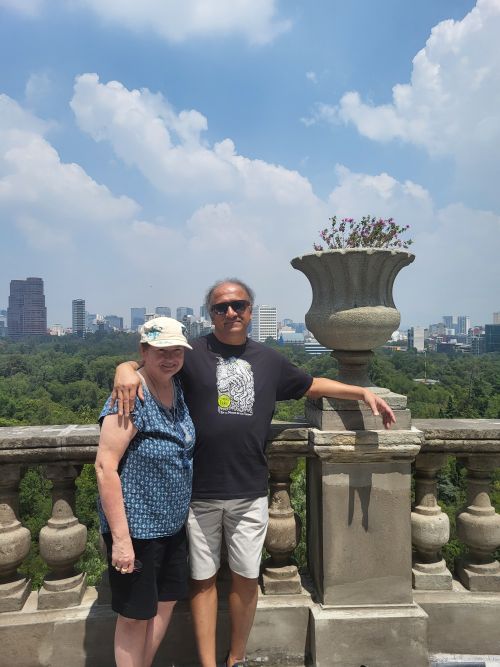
[{"x": 127, "y": 385}]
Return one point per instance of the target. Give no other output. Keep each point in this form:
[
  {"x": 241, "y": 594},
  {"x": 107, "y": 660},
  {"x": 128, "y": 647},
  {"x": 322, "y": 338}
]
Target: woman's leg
[
  {"x": 156, "y": 629},
  {"x": 130, "y": 637}
]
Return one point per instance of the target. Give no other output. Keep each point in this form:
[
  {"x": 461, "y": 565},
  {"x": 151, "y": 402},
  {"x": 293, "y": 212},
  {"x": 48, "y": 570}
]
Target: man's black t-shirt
[{"x": 231, "y": 391}]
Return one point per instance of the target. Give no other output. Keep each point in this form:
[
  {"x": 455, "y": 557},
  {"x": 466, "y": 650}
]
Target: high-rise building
[
  {"x": 449, "y": 321},
  {"x": 137, "y": 318},
  {"x": 496, "y": 318},
  {"x": 26, "y": 314},
  {"x": 163, "y": 311},
  {"x": 204, "y": 314},
  {"x": 114, "y": 321},
  {"x": 182, "y": 312},
  {"x": 79, "y": 323},
  {"x": 264, "y": 323},
  {"x": 463, "y": 324},
  {"x": 492, "y": 338},
  {"x": 416, "y": 338}
]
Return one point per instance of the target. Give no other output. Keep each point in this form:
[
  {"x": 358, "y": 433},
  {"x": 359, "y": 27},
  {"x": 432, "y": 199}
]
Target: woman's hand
[
  {"x": 122, "y": 555},
  {"x": 379, "y": 407},
  {"x": 127, "y": 385}
]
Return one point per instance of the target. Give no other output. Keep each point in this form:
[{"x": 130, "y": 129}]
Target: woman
[{"x": 144, "y": 475}]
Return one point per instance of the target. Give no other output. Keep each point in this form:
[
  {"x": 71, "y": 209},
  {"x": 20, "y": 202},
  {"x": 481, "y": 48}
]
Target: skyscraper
[
  {"x": 114, "y": 321},
  {"x": 79, "y": 323},
  {"x": 264, "y": 323},
  {"x": 416, "y": 338},
  {"x": 463, "y": 324},
  {"x": 496, "y": 318},
  {"x": 26, "y": 314},
  {"x": 492, "y": 338},
  {"x": 449, "y": 321},
  {"x": 183, "y": 311},
  {"x": 137, "y": 318},
  {"x": 163, "y": 311}
]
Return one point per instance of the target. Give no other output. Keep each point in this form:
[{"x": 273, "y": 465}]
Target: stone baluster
[
  {"x": 430, "y": 527},
  {"x": 478, "y": 526},
  {"x": 280, "y": 575},
  {"x": 62, "y": 542},
  {"x": 15, "y": 542}
]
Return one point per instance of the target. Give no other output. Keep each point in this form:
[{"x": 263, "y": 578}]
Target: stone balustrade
[
  {"x": 358, "y": 534},
  {"x": 475, "y": 442}
]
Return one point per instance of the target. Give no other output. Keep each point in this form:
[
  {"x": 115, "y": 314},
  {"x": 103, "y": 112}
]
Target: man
[{"x": 231, "y": 384}]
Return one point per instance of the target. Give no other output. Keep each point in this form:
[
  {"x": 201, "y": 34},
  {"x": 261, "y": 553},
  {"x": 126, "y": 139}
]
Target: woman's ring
[
  {"x": 117, "y": 568},
  {"x": 124, "y": 569}
]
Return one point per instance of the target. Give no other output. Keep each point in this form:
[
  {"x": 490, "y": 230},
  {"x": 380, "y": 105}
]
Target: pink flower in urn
[{"x": 369, "y": 232}]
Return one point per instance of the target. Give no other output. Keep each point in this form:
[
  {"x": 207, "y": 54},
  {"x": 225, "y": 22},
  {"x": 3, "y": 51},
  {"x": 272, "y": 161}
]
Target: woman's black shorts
[{"x": 162, "y": 577}]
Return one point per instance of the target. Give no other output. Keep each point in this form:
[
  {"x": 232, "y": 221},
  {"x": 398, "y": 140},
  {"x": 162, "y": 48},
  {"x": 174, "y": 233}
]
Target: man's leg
[
  {"x": 245, "y": 526},
  {"x": 204, "y": 527},
  {"x": 242, "y": 605},
  {"x": 204, "y": 613}
]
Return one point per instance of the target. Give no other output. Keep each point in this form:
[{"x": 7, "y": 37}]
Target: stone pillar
[
  {"x": 62, "y": 542},
  {"x": 15, "y": 542},
  {"x": 359, "y": 550},
  {"x": 430, "y": 527},
  {"x": 478, "y": 526},
  {"x": 280, "y": 574}
]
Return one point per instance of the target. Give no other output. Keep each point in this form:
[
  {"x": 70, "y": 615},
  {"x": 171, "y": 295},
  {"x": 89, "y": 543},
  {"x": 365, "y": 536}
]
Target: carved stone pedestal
[
  {"x": 57, "y": 593},
  {"x": 280, "y": 580}
]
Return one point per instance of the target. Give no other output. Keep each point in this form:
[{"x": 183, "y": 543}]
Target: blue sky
[{"x": 148, "y": 149}]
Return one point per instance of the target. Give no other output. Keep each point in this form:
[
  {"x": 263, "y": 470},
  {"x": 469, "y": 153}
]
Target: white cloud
[
  {"x": 144, "y": 131},
  {"x": 256, "y": 20},
  {"x": 170, "y": 151},
  {"x": 249, "y": 220},
  {"x": 312, "y": 76},
  {"x": 38, "y": 191},
  {"x": 38, "y": 87},
  {"x": 177, "y": 21},
  {"x": 255, "y": 215},
  {"x": 450, "y": 107},
  {"x": 380, "y": 195}
]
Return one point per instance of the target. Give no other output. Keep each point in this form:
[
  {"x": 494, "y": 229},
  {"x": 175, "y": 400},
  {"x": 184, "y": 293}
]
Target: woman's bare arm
[{"x": 116, "y": 434}]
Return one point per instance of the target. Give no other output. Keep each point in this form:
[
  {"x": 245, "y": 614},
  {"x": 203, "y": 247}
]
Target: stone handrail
[
  {"x": 64, "y": 449},
  {"x": 475, "y": 442}
]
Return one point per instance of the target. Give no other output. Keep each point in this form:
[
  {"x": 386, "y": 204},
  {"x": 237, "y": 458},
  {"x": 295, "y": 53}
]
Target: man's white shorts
[{"x": 245, "y": 524}]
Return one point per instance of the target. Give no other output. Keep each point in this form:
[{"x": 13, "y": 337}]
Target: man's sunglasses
[{"x": 238, "y": 306}]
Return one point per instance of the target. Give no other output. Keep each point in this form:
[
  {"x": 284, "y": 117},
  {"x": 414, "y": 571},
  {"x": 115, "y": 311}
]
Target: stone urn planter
[{"x": 352, "y": 310}]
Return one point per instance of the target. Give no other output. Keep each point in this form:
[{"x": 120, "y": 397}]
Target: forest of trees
[{"x": 67, "y": 380}]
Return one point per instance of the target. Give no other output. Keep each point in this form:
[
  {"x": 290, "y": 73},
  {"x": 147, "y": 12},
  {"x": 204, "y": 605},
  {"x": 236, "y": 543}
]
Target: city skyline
[
  {"x": 144, "y": 155},
  {"x": 462, "y": 320}
]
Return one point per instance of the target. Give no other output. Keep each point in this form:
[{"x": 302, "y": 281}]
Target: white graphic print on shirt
[{"x": 235, "y": 386}]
